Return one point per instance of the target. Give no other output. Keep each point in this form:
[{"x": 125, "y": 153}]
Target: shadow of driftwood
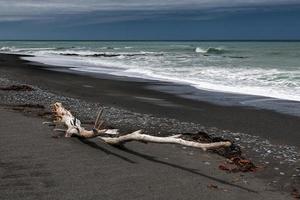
[
  {"x": 153, "y": 159},
  {"x": 194, "y": 171},
  {"x": 94, "y": 145}
]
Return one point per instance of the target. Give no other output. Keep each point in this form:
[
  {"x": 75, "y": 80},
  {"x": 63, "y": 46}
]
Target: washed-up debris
[
  {"x": 212, "y": 186},
  {"x": 295, "y": 193},
  {"x": 32, "y": 109},
  {"x": 17, "y": 88},
  {"x": 229, "y": 168},
  {"x": 235, "y": 163},
  {"x": 39, "y": 106},
  {"x": 227, "y": 152},
  {"x": 24, "y": 106},
  {"x": 238, "y": 164}
]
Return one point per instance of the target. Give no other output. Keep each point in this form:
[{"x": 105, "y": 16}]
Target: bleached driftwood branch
[
  {"x": 63, "y": 116},
  {"x": 138, "y": 136}
]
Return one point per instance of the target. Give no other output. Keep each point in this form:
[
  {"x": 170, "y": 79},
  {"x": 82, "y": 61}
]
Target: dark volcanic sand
[
  {"x": 163, "y": 112},
  {"x": 35, "y": 166}
]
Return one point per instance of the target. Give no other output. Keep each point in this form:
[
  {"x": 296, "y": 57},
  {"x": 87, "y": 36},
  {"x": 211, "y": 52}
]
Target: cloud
[{"x": 118, "y": 10}]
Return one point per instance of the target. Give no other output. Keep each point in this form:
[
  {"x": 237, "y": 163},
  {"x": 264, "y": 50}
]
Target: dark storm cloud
[
  {"x": 18, "y": 10},
  {"x": 149, "y": 19}
]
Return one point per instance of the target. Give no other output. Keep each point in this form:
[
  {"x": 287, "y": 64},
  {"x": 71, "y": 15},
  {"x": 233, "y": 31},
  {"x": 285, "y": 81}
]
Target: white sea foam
[
  {"x": 233, "y": 80},
  {"x": 178, "y": 63},
  {"x": 6, "y": 48},
  {"x": 15, "y": 49},
  {"x": 200, "y": 50},
  {"x": 210, "y": 50}
]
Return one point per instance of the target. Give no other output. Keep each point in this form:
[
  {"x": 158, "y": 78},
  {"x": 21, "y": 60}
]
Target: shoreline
[
  {"x": 175, "y": 87},
  {"x": 130, "y": 105},
  {"x": 140, "y": 95}
]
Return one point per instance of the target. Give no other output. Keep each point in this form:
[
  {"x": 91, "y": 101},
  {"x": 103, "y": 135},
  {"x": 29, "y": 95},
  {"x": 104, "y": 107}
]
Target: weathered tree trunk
[{"x": 63, "y": 116}]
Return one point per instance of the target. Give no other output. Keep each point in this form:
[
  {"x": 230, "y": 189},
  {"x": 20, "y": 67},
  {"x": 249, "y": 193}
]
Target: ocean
[{"x": 270, "y": 70}]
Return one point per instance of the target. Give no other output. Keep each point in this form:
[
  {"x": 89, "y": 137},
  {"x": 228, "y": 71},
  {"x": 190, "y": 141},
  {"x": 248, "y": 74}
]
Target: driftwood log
[{"x": 73, "y": 127}]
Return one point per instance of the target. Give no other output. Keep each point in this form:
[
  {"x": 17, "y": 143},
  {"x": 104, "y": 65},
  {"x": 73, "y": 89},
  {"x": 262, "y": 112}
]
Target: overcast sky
[{"x": 150, "y": 19}]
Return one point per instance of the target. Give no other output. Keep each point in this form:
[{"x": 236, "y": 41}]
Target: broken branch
[{"x": 138, "y": 136}]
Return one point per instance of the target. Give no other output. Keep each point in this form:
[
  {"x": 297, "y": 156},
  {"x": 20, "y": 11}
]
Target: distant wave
[
  {"x": 76, "y": 51},
  {"x": 63, "y": 48},
  {"x": 210, "y": 50},
  {"x": 200, "y": 50},
  {"x": 115, "y": 48},
  {"x": 14, "y": 49},
  {"x": 90, "y": 55},
  {"x": 110, "y": 54},
  {"x": 24, "y": 49},
  {"x": 242, "y": 57},
  {"x": 218, "y": 50},
  {"x": 7, "y": 48}
]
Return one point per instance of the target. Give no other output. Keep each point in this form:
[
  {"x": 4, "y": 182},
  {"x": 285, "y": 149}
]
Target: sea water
[{"x": 266, "y": 69}]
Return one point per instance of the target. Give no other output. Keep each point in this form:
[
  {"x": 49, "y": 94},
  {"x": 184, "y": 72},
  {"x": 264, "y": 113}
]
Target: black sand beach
[
  {"x": 133, "y": 94},
  {"x": 36, "y": 166}
]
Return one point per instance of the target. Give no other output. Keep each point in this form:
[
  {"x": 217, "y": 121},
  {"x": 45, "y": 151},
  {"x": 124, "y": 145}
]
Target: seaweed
[
  {"x": 235, "y": 161},
  {"x": 17, "y": 88}
]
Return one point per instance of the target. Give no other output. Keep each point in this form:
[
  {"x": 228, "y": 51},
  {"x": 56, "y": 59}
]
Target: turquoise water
[{"x": 270, "y": 69}]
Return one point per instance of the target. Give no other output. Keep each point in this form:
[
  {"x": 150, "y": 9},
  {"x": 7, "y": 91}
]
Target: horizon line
[{"x": 149, "y": 40}]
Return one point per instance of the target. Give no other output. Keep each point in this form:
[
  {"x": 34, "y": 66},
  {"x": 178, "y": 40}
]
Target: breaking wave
[{"x": 210, "y": 50}]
